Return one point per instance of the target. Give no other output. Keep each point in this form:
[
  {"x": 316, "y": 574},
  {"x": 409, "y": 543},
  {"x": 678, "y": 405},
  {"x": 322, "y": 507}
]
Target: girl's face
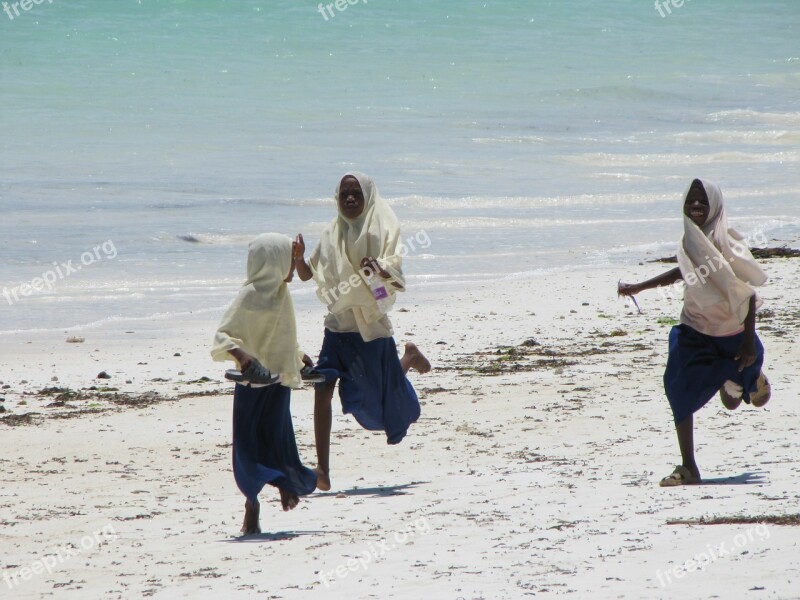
[
  {"x": 351, "y": 197},
  {"x": 696, "y": 206}
]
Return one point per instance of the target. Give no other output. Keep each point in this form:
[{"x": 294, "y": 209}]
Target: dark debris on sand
[
  {"x": 782, "y": 252},
  {"x": 17, "y": 420},
  {"x": 66, "y": 403},
  {"x": 510, "y": 359},
  {"x": 779, "y": 321},
  {"x": 538, "y": 357},
  {"x": 760, "y": 253},
  {"x": 790, "y": 520}
]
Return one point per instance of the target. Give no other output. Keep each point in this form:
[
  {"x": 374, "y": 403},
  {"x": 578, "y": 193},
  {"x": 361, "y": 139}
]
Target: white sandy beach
[{"x": 533, "y": 471}]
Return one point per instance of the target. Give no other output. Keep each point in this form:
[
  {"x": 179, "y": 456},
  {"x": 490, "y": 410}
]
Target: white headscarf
[
  {"x": 261, "y": 319},
  {"x": 722, "y": 268},
  {"x": 346, "y": 242}
]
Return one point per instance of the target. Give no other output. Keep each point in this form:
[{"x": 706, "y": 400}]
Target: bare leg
[
  {"x": 288, "y": 499},
  {"x": 414, "y": 359},
  {"x": 323, "y": 394},
  {"x": 685, "y": 431},
  {"x": 251, "y": 524}
]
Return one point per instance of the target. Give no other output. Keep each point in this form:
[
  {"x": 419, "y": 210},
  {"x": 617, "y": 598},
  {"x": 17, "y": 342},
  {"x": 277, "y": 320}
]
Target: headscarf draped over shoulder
[
  {"x": 719, "y": 271},
  {"x": 346, "y": 242},
  {"x": 261, "y": 319}
]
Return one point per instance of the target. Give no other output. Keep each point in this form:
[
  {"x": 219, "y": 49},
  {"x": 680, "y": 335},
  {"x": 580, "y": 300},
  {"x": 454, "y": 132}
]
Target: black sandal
[
  {"x": 310, "y": 375},
  {"x": 254, "y": 374}
]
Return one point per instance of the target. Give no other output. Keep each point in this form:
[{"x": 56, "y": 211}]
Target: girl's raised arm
[
  {"x": 299, "y": 249},
  {"x": 668, "y": 278}
]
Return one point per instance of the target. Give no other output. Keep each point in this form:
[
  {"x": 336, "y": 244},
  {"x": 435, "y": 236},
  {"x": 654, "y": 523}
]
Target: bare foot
[
  {"x": 417, "y": 358},
  {"x": 288, "y": 500},
  {"x": 251, "y": 525},
  {"x": 323, "y": 480}
]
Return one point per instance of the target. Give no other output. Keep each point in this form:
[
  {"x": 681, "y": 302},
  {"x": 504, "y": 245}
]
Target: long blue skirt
[
  {"x": 699, "y": 365},
  {"x": 264, "y": 448},
  {"x": 372, "y": 385}
]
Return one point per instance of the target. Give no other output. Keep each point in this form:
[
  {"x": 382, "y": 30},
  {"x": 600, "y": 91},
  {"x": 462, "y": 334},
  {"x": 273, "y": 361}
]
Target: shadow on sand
[
  {"x": 274, "y": 536},
  {"x": 748, "y": 478},
  {"x": 374, "y": 492}
]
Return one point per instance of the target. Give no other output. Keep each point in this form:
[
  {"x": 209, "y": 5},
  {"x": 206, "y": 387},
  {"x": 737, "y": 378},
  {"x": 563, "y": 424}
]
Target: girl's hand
[
  {"x": 242, "y": 357},
  {"x": 747, "y": 353},
  {"x": 628, "y": 289},
  {"x": 371, "y": 263},
  {"x": 299, "y": 248},
  {"x": 298, "y": 253}
]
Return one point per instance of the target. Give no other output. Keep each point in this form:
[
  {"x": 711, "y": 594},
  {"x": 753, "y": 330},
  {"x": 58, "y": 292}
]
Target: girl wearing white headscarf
[
  {"x": 715, "y": 348},
  {"x": 338, "y": 257},
  {"x": 260, "y": 326},
  {"x": 361, "y": 243}
]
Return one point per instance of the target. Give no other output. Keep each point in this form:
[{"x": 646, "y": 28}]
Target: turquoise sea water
[{"x": 516, "y": 136}]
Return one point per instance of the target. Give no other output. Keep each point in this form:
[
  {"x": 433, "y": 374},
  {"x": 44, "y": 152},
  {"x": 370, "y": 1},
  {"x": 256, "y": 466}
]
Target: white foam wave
[
  {"x": 755, "y": 116},
  {"x": 762, "y": 192},
  {"x": 148, "y": 284},
  {"x": 214, "y": 239},
  {"x": 762, "y": 138},
  {"x": 660, "y": 248},
  {"x": 510, "y": 139},
  {"x": 327, "y": 201},
  {"x": 221, "y": 239},
  {"x": 606, "y": 159},
  {"x": 620, "y": 176},
  {"x": 477, "y": 278},
  {"x": 158, "y": 316},
  {"x": 517, "y": 223},
  {"x": 506, "y": 202}
]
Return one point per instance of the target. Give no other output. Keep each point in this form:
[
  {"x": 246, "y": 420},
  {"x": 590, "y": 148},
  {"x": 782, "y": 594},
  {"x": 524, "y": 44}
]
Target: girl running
[
  {"x": 361, "y": 244},
  {"x": 715, "y": 348}
]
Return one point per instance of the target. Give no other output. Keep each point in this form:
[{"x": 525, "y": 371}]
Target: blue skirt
[
  {"x": 700, "y": 364},
  {"x": 372, "y": 385},
  {"x": 264, "y": 448}
]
